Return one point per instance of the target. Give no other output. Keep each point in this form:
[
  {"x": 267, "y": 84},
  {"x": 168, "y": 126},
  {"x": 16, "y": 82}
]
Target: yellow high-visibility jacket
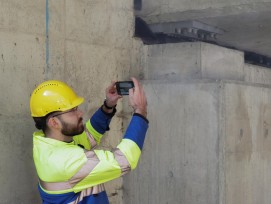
[{"x": 75, "y": 172}]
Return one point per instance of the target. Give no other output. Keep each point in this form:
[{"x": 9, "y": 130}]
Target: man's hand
[
  {"x": 112, "y": 96},
  {"x": 138, "y": 99}
]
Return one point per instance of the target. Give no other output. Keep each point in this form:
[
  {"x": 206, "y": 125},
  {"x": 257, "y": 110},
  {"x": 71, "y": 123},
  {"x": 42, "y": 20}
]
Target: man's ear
[{"x": 54, "y": 123}]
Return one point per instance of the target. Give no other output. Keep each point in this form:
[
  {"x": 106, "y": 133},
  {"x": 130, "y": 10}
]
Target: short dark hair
[{"x": 41, "y": 122}]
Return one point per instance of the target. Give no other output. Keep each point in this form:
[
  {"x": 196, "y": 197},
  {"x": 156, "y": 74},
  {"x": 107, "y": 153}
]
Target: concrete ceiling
[
  {"x": 246, "y": 27},
  {"x": 248, "y": 31}
]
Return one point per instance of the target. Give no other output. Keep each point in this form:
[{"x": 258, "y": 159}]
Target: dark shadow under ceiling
[{"x": 193, "y": 32}]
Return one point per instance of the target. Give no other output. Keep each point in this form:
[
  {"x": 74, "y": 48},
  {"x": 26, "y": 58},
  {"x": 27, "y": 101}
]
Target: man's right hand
[{"x": 138, "y": 98}]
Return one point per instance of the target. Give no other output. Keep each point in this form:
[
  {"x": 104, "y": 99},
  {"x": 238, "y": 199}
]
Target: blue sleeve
[
  {"x": 100, "y": 120},
  {"x": 137, "y": 130}
]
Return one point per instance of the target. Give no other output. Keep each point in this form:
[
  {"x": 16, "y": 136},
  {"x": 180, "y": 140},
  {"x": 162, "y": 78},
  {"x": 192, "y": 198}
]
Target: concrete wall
[
  {"x": 247, "y": 144},
  {"x": 208, "y": 143},
  {"x": 180, "y": 160},
  {"x": 209, "y": 136},
  {"x": 90, "y": 43}
]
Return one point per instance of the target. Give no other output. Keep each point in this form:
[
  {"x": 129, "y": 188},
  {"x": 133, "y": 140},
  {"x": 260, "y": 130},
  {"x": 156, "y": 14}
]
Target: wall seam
[{"x": 47, "y": 68}]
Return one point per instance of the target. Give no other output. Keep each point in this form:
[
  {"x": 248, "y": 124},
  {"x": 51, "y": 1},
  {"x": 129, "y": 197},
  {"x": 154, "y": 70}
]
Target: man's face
[
  {"x": 72, "y": 123},
  {"x": 72, "y": 128}
]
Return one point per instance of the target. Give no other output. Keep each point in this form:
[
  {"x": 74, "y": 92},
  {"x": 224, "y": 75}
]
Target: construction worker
[{"x": 70, "y": 170}]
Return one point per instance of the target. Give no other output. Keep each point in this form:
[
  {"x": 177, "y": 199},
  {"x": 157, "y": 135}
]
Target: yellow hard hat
[{"x": 51, "y": 96}]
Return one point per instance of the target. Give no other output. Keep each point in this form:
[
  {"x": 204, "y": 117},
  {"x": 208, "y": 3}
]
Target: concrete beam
[
  {"x": 193, "y": 61},
  {"x": 257, "y": 74}
]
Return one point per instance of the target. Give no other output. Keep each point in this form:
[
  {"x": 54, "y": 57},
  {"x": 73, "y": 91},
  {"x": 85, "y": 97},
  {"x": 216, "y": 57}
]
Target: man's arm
[
  {"x": 111, "y": 165},
  {"x": 99, "y": 122},
  {"x": 85, "y": 169}
]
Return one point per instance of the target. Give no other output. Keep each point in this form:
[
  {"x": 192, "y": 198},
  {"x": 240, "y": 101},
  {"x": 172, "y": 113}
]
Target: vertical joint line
[{"x": 47, "y": 39}]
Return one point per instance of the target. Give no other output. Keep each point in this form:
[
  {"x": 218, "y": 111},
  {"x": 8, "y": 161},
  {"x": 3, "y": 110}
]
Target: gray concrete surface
[
  {"x": 180, "y": 160},
  {"x": 155, "y": 10},
  {"x": 208, "y": 143},
  {"x": 90, "y": 44},
  {"x": 204, "y": 131},
  {"x": 209, "y": 136},
  {"x": 257, "y": 74},
  {"x": 246, "y": 23},
  {"x": 247, "y": 143},
  {"x": 192, "y": 61}
]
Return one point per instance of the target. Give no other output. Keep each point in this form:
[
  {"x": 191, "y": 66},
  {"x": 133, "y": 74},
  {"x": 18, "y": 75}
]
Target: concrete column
[{"x": 209, "y": 136}]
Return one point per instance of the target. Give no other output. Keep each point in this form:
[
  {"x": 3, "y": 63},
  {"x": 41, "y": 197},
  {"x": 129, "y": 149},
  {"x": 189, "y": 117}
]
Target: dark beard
[{"x": 72, "y": 130}]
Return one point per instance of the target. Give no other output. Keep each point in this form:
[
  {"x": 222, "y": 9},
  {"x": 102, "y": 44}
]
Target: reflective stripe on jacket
[{"x": 75, "y": 174}]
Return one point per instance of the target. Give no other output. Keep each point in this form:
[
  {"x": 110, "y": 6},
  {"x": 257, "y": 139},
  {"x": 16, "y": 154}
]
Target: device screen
[{"x": 124, "y": 86}]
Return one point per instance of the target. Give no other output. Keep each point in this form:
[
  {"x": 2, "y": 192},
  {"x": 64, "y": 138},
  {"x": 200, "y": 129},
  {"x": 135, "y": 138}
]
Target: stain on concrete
[
  {"x": 264, "y": 139},
  {"x": 243, "y": 145},
  {"x": 238, "y": 130}
]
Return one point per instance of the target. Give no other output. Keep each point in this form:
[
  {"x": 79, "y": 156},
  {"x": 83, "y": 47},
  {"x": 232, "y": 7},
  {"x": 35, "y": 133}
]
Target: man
[{"x": 70, "y": 170}]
